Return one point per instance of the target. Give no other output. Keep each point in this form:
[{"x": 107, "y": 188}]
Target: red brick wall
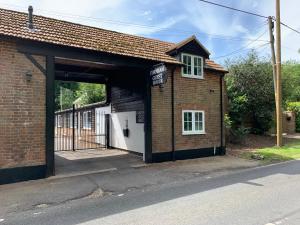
[
  {"x": 22, "y": 109},
  {"x": 161, "y": 117},
  {"x": 190, "y": 94}
]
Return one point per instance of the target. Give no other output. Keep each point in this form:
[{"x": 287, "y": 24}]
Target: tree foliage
[
  {"x": 90, "y": 93},
  {"x": 291, "y": 82},
  {"x": 68, "y": 93},
  {"x": 295, "y": 107},
  {"x": 250, "y": 92}
]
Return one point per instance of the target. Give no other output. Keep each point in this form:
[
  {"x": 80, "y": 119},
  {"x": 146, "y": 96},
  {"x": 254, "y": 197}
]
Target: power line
[
  {"x": 239, "y": 51},
  {"x": 247, "y": 12},
  {"x": 290, "y": 28},
  {"x": 235, "y": 9},
  {"x": 124, "y": 23},
  {"x": 243, "y": 48}
]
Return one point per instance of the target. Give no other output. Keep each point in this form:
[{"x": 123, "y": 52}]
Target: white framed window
[
  {"x": 87, "y": 120},
  {"x": 59, "y": 121},
  {"x": 193, "y": 122},
  {"x": 71, "y": 120},
  {"x": 192, "y": 66}
]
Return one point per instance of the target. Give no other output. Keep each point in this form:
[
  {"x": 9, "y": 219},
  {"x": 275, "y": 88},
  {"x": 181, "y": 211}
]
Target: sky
[{"x": 226, "y": 34}]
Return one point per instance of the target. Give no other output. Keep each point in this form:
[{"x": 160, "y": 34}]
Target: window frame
[
  {"x": 59, "y": 121},
  {"x": 192, "y": 75},
  {"x": 85, "y": 120},
  {"x": 193, "y": 131}
]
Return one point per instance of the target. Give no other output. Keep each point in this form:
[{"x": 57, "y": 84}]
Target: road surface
[{"x": 265, "y": 195}]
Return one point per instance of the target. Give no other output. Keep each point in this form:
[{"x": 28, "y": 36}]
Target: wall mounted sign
[{"x": 158, "y": 74}]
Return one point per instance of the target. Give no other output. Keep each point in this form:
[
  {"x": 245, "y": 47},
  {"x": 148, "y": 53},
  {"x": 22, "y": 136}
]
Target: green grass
[{"x": 274, "y": 154}]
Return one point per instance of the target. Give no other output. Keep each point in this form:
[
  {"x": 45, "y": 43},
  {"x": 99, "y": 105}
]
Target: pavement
[
  {"x": 136, "y": 176},
  {"x": 69, "y": 163},
  {"x": 293, "y": 136},
  {"x": 266, "y": 195}
]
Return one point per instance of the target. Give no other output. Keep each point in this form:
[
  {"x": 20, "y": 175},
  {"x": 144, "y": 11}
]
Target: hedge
[{"x": 295, "y": 107}]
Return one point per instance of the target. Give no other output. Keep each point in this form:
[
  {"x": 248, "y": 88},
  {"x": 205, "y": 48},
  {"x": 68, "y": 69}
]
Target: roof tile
[{"x": 65, "y": 33}]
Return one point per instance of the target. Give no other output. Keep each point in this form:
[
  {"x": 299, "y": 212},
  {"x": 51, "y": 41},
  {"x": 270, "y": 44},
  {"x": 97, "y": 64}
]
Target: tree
[
  {"x": 90, "y": 93},
  {"x": 291, "y": 82},
  {"x": 67, "y": 93},
  {"x": 251, "y": 92}
]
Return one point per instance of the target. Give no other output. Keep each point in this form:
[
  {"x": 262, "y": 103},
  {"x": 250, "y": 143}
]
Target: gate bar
[{"x": 73, "y": 128}]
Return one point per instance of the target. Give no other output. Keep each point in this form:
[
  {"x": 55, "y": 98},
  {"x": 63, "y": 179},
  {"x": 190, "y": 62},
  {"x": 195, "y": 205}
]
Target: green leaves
[
  {"x": 250, "y": 92},
  {"x": 295, "y": 107},
  {"x": 69, "y": 93}
]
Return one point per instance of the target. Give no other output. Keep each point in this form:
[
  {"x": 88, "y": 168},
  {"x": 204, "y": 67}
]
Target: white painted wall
[{"x": 136, "y": 140}]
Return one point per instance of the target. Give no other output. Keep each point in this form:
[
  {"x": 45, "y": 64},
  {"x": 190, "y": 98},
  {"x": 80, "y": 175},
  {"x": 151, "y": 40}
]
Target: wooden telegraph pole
[
  {"x": 271, "y": 29},
  {"x": 278, "y": 79}
]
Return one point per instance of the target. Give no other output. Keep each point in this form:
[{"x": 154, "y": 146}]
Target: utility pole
[
  {"x": 271, "y": 29},
  {"x": 278, "y": 80}
]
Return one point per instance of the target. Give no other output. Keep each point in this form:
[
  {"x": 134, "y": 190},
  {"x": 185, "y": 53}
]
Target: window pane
[
  {"x": 198, "y": 116},
  {"x": 198, "y": 121},
  {"x": 189, "y": 70},
  {"x": 198, "y": 126},
  {"x": 188, "y": 124},
  {"x": 187, "y": 61}
]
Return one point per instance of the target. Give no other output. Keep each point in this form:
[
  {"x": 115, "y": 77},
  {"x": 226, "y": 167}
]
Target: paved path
[
  {"x": 265, "y": 195},
  {"x": 294, "y": 136},
  {"x": 121, "y": 179}
]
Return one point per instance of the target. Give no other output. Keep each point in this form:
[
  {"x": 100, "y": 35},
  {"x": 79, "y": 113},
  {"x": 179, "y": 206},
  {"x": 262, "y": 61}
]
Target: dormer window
[{"x": 193, "y": 66}]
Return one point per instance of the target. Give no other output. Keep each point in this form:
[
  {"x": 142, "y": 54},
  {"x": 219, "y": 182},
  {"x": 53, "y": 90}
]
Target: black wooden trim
[
  {"x": 186, "y": 154},
  {"x": 173, "y": 115},
  {"x": 36, "y": 63},
  {"x": 39, "y": 48},
  {"x": 107, "y": 131},
  {"x": 148, "y": 121},
  {"x": 222, "y": 116},
  {"x": 17, "y": 174},
  {"x": 50, "y": 113}
]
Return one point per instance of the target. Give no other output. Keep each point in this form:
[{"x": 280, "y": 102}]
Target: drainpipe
[
  {"x": 173, "y": 116},
  {"x": 221, "y": 116}
]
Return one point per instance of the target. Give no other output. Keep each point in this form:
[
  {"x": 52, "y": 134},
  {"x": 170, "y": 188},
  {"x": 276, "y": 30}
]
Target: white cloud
[
  {"x": 291, "y": 16},
  {"x": 107, "y": 14}
]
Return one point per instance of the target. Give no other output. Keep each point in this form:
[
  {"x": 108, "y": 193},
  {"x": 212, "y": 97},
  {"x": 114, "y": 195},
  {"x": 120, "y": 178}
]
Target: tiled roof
[
  {"x": 64, "y": 33},
  {"x": 210, "y": 64}
]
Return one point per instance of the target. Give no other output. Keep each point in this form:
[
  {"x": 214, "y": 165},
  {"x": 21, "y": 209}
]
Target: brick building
[{"x": 182, "y": 118}]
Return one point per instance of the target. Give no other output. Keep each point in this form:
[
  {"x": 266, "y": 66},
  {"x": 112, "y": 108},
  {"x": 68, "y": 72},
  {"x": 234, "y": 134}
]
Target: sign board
[{"x": 158, "y": 74}]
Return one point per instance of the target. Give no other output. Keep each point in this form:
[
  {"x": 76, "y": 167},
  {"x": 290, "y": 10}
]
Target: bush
[
  {"x": 295, "y": 107},
  {"x": 238, "y": 134},
  {"x": 250, "y": 93}
]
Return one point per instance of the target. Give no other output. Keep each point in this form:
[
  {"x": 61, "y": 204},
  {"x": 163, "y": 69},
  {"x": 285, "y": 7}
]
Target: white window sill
[
  {"x": 193, "y": 133},
  {"x": 193, "y": 77}
]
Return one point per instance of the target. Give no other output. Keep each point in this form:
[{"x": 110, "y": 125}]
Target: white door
[{"x": 100, "y": 123}]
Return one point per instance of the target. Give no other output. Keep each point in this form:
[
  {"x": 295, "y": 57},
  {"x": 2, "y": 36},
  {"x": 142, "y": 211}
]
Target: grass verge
[{"x": 274, "y": 154}]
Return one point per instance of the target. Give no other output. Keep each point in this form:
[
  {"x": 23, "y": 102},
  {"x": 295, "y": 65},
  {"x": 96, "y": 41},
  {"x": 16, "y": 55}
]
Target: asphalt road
[{"x": 265, "y": 195}]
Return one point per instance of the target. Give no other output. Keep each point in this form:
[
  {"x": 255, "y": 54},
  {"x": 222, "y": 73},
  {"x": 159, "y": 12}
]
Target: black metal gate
[{"x": 78, "y": 129}]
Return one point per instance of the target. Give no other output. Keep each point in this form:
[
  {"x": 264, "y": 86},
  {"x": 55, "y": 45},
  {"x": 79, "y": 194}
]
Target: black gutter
[
  {"x": 148, "y": 120},
  {"x": 173, "y": 116},
  {"x": 221, "y": 114}
]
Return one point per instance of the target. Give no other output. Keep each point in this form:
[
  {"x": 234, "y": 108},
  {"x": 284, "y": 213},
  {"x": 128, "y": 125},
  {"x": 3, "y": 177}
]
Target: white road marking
[
  {"x": 1, "y": 220},
  {"x": 120, "y": 195}
]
